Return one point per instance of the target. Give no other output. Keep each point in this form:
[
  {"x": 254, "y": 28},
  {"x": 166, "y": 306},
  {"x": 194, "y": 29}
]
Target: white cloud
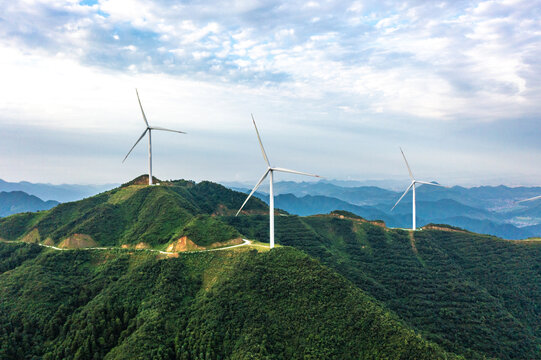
[
  {"x": 200, "y": 54},
  {"x": 373, "y": 65},
  {"x": 356, "y": 7},
  {"x": 131, "y": 48}
]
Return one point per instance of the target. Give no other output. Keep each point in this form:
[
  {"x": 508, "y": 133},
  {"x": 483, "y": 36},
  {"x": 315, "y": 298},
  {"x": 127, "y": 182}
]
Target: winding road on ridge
[{"x": 245, "y": 242}]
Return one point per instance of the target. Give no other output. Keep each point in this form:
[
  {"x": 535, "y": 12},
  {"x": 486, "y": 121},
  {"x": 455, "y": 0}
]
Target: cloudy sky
[{"x": 336, "y": 88}]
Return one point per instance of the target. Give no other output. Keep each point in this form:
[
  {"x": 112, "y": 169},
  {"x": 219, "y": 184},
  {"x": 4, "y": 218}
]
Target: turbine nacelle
[
  {"x": 412, "y": 184},
  {"x": 412, "y": 187},
  {"x": 270, "y": 170}
]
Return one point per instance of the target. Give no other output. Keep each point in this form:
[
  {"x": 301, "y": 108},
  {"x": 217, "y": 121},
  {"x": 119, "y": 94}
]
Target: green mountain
[
  {"x": 134, "y": 214},
  {"x": 237, "y": 304},
  {"x": 475, "y": 295},
  {"x": 339, "y": 287}
]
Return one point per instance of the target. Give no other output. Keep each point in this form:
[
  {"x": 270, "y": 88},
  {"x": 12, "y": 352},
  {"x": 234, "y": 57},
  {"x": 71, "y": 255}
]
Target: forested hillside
[
  {"x": 473, "y": 294},
  {"x": 209, "y": 305}
]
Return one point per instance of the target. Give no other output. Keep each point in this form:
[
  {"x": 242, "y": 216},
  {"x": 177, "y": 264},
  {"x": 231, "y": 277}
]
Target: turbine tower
[
  {"x": 149, "y": 130},
  {"x": 412, "y": 186},
  {"x": 270, "y": 171}
]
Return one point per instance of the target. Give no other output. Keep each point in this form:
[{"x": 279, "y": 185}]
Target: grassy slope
[
  {"x": 216, "y": 305},
  {"x": 473, "y": 294},
  {"x": 132, "y": 214},
  {"x": 205, "y": 230}
]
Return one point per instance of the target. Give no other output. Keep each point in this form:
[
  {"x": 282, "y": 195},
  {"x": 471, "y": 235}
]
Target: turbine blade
[
  {"x": 404, "y": 194},
  {"x": 408, "y": 165},
  {"x": 294, "y": 172},
  {"x": 141, "y": 106},
  {"x": 530, "y": 199},
  {"x": 253, "y": 190},
  {"x": 164, "y": 129},
  {"x": 260, "y": 143},
  {"x": 429, "y": 183},
  {"x": 137, "y": 142}
]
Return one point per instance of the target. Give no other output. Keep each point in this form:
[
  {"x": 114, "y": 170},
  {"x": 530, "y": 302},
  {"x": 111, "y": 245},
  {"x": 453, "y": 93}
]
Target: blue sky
[{"x": 336, "y": 88}]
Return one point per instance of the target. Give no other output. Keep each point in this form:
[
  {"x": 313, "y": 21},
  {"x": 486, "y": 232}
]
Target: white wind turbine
[
  {"x": 412, "y": 186},
  {"x": 270, "y": 171},
  {"x": 149, "y": 130}
]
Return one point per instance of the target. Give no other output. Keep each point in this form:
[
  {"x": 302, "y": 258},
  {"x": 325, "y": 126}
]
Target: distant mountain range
[
  {"x": 61, "y": 193},
  {"x": 18, "y": 201},
  {"x": 384, "y": 184},
  {"x": 491, "y": 210}
]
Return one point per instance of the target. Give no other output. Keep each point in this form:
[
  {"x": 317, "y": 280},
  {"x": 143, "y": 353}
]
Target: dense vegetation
[
  {"x": 211, "y": 305},
  {"x": 205, "y": 230},
  {"x": 473, "y": 294},
  {"x": 155, "y": 215},
  {"x": 469, "y": 294}
]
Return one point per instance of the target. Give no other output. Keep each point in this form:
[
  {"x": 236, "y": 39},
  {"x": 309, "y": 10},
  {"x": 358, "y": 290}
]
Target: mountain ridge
[
  {"x": 60, "y": 193},
  {"x": 476, "y": 295},
  {"x": 492, "y": 210},
  {"x": 132, "y": 214},
  {"x": 472, "y": 295}
]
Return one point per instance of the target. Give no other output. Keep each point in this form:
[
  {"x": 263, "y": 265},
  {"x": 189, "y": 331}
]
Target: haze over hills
[
  {"x": 60, "y": 193},
  {"x": 489, "y": 197},
  {"x": 14, "y": 202},
  {"x": 487, "y": 209},
  {"x": 461, "y": 293},
  {"x": 167, "y": 270}
]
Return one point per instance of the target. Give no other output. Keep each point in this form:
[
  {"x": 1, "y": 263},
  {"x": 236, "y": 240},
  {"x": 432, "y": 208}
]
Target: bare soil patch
[
  {"x": 32, "y": 237},
  {"x": 78, "y": 241},
  {"x": 442, "y": 228},
  {"x": 183, "y": 244},
  {"x": 48, "y": 242}
]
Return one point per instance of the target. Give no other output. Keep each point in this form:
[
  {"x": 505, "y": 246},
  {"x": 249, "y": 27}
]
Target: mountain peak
[
  {"x": 142, "y": 180},
  {"x": 135, "y": 213}
]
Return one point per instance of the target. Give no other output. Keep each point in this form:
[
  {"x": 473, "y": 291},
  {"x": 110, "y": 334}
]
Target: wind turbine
[
  {"x": 270, "y": 171},
  {"x": 149, "y": 130},
  {"x": 412, "y": 186}
]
